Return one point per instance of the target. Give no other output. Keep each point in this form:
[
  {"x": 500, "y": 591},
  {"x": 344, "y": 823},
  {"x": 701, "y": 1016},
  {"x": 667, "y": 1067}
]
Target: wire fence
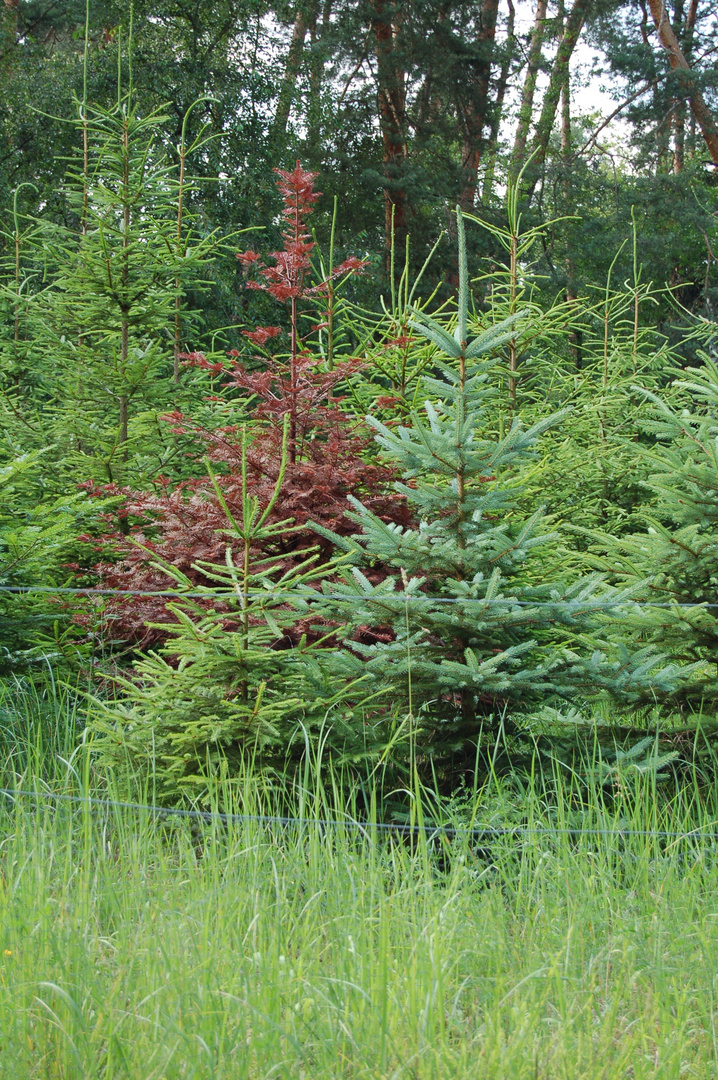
[
  {"x": 431, "y": 831},
  {"x": 479, "y": 833},
  {"x": 353, "y": 598}
]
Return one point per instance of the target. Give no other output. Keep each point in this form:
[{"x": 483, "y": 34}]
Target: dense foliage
[{"x": 319, "y": 480}]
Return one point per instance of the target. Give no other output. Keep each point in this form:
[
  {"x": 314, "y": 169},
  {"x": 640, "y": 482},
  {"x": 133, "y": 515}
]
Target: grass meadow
[{"x": 145, "y": 949}]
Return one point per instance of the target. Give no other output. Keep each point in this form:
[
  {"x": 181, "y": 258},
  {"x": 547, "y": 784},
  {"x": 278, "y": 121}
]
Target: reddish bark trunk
[
  {"x": 392, "y": 116},
  {"x": 700, "y": 110},
  {"x": 476, "y": 114}
]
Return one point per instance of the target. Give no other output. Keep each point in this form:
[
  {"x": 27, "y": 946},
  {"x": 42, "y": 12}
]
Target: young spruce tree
[
  {"x": 230, "y": 685},
  {"x": 674, "y": 561},
  {"x": 111, "y": 320},
  {"x": 477, "y": 635}
]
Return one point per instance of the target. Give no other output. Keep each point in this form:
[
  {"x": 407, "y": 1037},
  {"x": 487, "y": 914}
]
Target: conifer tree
[
  {"x": 117, "y": 272},
  {"x": 674, "y": 561},
  {"x": 229, "y": 684},
  {"x": 38, "y": 541},
  {"x": 17, "y": 363},
  {"x": 476, "y": 629},
  {"x": 182, "y": 524}
]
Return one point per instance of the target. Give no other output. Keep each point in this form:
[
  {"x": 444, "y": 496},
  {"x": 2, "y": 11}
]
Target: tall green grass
[
  {"x": 41, "y": 721},
  {"x": 143, "y": 949},
  {"x": 134, "y": 949}
]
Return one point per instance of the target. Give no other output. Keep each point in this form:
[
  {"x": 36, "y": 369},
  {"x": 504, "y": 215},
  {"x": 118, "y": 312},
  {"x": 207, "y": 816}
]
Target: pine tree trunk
[
  {"x": 476, "y": 115},
  {"x": 679, "y": 122},
  {"x": 689, "y": 29},
  {"x": 305, "y": 15},
  {"x": 8, "y": 37},
  {"x": 392, "y": 117},
  {"x": 527, "y": 94},
  {"x": 559, "y": 73},
  {"x": 567, "y": 193},
  {"x": 499, "y": 105},
  {"x": 678, "y": 113},
  {"x": 429, "y": 103},
  {"x": 643, "y": 26},
  {"x": 316, "y": 73},
  {"x": 680, "y": 65}
]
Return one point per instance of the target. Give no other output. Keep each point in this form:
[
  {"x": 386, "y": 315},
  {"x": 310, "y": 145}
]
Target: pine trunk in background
[
  {"x": 566, "y": 150},
  {"x": 317, "y": 34},
  {"x": 509, "y": 51},
  {"x": 643, "y": 28},
  {"x": 392, "y": 116},
  {"x": 527, "y": 95},
  {"x": 678, "y": 112},
  {"x": 700, "y": 110},
  {"x": 559, "y": 74},
  {"x": 476, "y": 114},
  {"x": 305, "y": 16},
  {"x": 686, "y": 32},
  {"x": 689, "y": 29}
]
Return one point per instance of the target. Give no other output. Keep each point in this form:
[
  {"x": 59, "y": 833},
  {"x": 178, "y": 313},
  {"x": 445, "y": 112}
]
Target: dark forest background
[{"x": 405, "y": 109}]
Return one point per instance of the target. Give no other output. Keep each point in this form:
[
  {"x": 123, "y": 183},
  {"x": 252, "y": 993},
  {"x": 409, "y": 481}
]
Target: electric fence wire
[
  {"x": 353, "y": 598},
  {"x": 481, "y": 832}
]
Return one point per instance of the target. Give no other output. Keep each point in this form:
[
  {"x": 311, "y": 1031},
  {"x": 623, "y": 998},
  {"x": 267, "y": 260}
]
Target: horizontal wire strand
[
  {"x": 209, "y": 594},
  {"x": 480, "y": 831}
]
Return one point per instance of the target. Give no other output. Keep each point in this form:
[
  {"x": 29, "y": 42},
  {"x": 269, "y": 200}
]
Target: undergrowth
[{"x": 155, "y": 948}]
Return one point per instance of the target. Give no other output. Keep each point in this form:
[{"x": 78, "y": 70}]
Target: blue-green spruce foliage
[{"x": 480, "y": 633}]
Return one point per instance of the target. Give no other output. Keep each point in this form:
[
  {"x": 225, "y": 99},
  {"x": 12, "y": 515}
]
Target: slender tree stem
[
  {"x": 177, "y": 345},
  {"x": 513, "y": 290},
  {"x": 125, "y": 324},
  {"x": 293, "y": 386}
]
